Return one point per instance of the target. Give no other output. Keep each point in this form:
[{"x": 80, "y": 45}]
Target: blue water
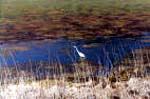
[{"x": 106, "y": 51}]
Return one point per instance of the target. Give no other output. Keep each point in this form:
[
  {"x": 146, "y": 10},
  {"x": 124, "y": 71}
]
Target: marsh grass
[
  {"x": 17, "y": 8},
  {"x": 82, "y": 71},
  {"x": 60, "y": 89},
  {"x": 123, "y": 81}
]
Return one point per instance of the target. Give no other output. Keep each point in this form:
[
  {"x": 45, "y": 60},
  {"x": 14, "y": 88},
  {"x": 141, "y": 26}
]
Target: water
[{"x": 105, "y": 51}]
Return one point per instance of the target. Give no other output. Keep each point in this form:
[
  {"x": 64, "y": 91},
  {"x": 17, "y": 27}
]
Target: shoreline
[
  {"x": 134, "y": 88},
  {"x": 33, "y": 27}
]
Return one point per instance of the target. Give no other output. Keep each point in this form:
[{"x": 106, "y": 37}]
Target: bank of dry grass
[{"x": 134, "y": 88}]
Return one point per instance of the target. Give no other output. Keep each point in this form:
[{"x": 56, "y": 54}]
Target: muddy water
[{"x": 105, "y": 51}]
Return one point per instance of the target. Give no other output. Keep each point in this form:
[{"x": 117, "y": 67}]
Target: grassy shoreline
[
  {"x": 134, "y": 88},
  {"x": 36, "y": 27},
  {"x": 50, "y": 19},
  {"x": 43, "y": 7}
]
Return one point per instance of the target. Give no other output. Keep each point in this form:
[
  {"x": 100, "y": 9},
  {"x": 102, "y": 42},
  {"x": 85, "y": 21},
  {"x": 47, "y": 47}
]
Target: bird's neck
[{"x": 77, "y": 50}]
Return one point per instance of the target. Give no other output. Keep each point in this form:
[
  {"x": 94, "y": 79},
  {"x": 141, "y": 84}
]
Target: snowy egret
[{"x": 79, "y": 53}]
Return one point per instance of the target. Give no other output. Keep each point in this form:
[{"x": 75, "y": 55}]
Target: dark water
[{"x": 106, "y": 51}]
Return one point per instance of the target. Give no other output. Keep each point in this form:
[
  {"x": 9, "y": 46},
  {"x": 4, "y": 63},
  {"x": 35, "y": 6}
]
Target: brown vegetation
[{"x": 36, "y": 27}]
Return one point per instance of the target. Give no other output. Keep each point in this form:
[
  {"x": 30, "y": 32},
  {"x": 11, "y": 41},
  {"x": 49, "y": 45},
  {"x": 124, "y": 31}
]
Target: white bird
[{"x": 79, "y": 53}]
